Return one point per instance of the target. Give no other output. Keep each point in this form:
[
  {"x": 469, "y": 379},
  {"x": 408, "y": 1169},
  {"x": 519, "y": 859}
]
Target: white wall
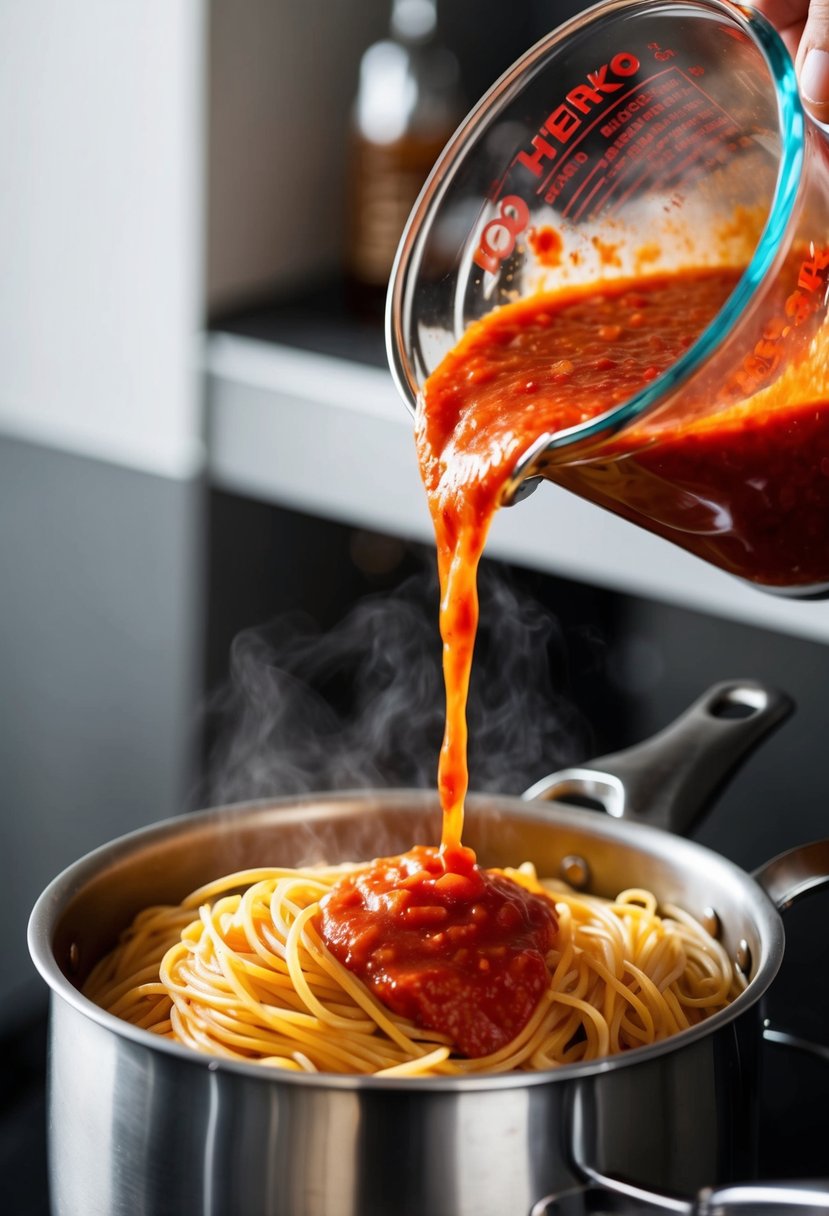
[{"x": 101, "y": 183}]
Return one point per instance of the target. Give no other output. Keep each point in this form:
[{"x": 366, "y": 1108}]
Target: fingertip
[{"x": 814, "y": 83}]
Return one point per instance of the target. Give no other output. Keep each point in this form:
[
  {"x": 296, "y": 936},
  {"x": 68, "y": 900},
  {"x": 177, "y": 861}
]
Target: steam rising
[{"x": 362, "y": 705}]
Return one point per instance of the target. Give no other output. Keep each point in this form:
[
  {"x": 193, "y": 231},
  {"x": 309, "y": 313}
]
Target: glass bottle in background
[{"x": 408, "y": 103}]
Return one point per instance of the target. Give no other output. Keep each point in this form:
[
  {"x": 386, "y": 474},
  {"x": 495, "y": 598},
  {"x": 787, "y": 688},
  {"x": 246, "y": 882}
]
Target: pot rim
[{"x": 53, "y": 901}]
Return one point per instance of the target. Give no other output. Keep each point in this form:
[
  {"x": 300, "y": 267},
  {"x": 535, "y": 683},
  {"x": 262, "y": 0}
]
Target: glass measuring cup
[{"x": 640, "y": 138}]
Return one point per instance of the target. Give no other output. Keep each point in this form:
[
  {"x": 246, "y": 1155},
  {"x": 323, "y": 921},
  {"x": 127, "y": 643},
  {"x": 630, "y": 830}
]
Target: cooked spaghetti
[{"x": 239, "y": 970}]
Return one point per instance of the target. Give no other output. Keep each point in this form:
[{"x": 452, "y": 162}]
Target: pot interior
[{"x": 82, "y": 913}]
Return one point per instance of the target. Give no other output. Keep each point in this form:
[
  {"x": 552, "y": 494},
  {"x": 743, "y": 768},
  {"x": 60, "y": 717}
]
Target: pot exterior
[{"x": 137, "y": 1130}]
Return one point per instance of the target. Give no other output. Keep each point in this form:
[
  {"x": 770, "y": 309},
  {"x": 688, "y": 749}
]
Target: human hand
[{"x": 804, "y": 27}]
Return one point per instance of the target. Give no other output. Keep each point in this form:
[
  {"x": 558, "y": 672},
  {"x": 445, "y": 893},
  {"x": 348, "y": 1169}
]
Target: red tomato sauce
[
  {"x": 747, "y": 491},
  {"x": 458, "y": 952},
  {"x": 546, "y": 244},
  {"x": 440, "y": 941}
]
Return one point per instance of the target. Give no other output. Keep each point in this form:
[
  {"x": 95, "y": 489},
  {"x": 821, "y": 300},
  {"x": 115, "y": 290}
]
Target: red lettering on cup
[
  {"x": 562, "y": 123},
  {"x": 533, "y": 160},
  {"x": 498, "y": 236}
]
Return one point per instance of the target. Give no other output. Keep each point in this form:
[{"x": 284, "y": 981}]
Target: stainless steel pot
[{"x": 140, "y": 1125}]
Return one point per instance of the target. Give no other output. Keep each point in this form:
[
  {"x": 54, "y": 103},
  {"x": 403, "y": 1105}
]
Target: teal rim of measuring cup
[{"x": 791, "y": 125}]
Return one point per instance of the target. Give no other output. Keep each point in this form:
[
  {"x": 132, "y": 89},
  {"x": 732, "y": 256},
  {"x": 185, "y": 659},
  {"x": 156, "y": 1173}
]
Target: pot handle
[
  {"x": 761, "y": 1198},
  {"x": 779, "y": 1037},
  {"x": 786, "y": 879},
  {"x": 746, "y": 1199},
  {"x": 794, "y": 873},
  {"x": 670, "y": 779}
]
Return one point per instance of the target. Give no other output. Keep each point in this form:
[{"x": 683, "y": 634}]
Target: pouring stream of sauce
[
  {"x": 542, "y": 365},
  {"x": 456, "y": 948}
]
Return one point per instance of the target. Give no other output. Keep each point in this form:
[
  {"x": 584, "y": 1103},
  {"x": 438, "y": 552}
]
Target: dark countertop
[{"x": 23, "y": 1176}]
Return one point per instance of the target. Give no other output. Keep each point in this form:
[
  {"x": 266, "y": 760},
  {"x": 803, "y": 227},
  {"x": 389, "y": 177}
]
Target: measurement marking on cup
[
  {"x": 625, "y": 195},
  {"x": 654, "y": 91},
  {"x": 596, "y": 169},
  {"x": 662, "y": 106},
  {"x": 644, "y": 117},
  {"x": 693, "y": 84},
  {"x": 601, "y": 182},
  {"x": 667, "y": 178},
  {"x": 652, "y": 123},
  {"x": 695, "y": 124},
  {"x": 611, "y": 109}
]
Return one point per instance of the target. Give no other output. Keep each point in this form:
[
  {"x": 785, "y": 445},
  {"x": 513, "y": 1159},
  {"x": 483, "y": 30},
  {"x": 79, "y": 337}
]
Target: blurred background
[{"x": 200, "y": 442}]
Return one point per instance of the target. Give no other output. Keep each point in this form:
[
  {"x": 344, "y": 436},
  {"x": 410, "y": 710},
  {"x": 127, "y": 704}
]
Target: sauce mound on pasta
[{"x": 460, "y": 952}]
